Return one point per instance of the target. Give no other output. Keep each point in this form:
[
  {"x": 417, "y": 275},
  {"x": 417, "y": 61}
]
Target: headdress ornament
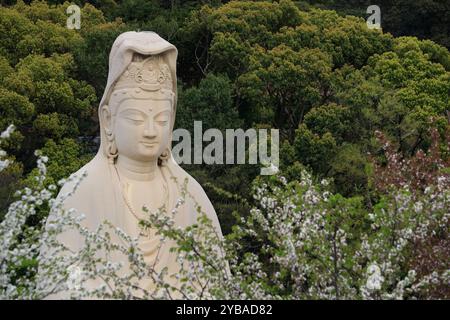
[{"x": 150, "y": 74}]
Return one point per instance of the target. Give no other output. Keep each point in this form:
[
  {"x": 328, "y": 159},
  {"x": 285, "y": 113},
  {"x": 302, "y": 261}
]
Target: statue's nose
[{"x": 149, "y": 130}]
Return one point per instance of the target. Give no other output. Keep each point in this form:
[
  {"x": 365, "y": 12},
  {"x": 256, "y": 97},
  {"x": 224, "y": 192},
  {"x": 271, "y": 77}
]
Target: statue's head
[{"x": 138, "y": 111}]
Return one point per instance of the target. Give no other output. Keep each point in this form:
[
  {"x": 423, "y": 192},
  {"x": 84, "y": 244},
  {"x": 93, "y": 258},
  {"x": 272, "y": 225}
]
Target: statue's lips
[{"x": 148, "y": 143}]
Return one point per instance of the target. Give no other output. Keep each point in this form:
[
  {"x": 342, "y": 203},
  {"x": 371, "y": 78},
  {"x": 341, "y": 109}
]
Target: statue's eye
[
  {"x": 135, "y": 121},
  {"x": 162, "y": 122},
  {"x": 133, "y": 117},
  {"x": 162, "y": 118}
]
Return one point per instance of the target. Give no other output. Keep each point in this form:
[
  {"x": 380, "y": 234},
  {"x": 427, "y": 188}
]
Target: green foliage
[
  {"x": 282, "y": 85},
  {"x": 425, "y": 19},
  {"x": 210, "y": 102},
  {"x": 55, "y": 126},
  {"x": 342, "y": 80},
  {"x": 331, "y": 118},
  {"x": 9, "y": 183},
  {"x": 40, "y": 91},
  {"x": 65, "y": 158},
  {"x": 92, "y": 55},
  {"x": 349, "y": 170},
  {"x": 311, "y": 148},
  {"x": 13, "y": 28},
  {"x": 15, "y": 108}
]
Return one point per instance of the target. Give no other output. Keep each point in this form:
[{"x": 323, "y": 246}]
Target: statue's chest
[
  {"x": 143, "y": 194},
  {"x": 138, "y": 195}
]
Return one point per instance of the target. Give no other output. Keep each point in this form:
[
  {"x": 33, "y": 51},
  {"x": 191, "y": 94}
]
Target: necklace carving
[{"x": 125, "y": 188}]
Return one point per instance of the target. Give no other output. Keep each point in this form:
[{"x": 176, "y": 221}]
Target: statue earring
[
  {"x": 164, "y": 157},
  {"x": 111, "y": 147}
]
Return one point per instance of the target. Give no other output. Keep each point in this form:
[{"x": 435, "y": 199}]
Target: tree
[
  {"x": 210, "y": 102},
  {"x": 39, "y": 89}
]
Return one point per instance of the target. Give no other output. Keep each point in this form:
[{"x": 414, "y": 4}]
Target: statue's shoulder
[
  {"x": 193, "y": 186},
  {"x": 83, "y": 182},
  {"x": 195, "y": 190},
  {"x": 200, "y": 198}
]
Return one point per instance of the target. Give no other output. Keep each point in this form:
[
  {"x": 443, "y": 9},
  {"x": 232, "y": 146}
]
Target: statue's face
[{"x": 142, "y": 128}]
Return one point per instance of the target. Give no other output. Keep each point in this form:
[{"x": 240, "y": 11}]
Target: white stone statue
[{"x": 134, "y": 166}]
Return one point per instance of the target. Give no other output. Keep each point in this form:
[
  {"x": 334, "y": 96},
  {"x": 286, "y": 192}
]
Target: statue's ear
[{"x": 106, "y": 118}]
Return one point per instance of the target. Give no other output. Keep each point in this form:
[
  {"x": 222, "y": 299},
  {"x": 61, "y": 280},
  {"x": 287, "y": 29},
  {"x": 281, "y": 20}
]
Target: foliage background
[{"x": 309, "y": 68}]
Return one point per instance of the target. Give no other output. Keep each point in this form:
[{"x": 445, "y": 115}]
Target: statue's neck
[{"x": 137, "y": 170}]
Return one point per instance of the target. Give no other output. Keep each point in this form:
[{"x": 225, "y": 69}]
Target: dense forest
[{"x": 312, "y": 69}]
